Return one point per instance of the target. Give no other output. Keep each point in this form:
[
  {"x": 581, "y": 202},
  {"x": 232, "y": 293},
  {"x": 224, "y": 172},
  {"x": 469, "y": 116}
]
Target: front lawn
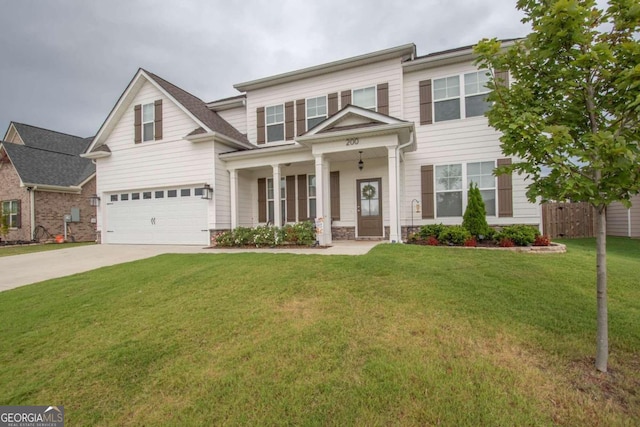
[
  {"x": 27, "y": 249},
  {"x": 406, "y": 335}
]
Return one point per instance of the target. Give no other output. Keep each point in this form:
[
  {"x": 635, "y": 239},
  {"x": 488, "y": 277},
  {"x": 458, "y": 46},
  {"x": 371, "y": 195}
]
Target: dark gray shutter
[
  {"x": 262, "y": 200},
  {"x": 426, "y": 106},
  {"x": 302, "y": 198},
  {"x": 19, "y": 214},
  {"x": 137, "y": 124},
  {"x": 301, "y": 116},
  {"x": 289, "y": 130},
  {"x": 383, "y": 98},
  {"x": 334, "y": 182},
  {"x": 260, "y": 125},
  {"x": 505, "y": 192},
  {"x": 158, "y": 119},
  {"x": 426, "y": 184},
  {"x": 346, "y": 98},
  {"x": 502, "y": 78},
  {"x": 291, "y": 197},
  {"x": 333, "y": 103}
]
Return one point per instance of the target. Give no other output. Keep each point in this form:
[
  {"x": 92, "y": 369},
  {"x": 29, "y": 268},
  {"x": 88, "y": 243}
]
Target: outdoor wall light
[
  {"x": 94, "y": 200},
  {"x": 207, "y": 192},
  {"x": 360, "y": 163}
]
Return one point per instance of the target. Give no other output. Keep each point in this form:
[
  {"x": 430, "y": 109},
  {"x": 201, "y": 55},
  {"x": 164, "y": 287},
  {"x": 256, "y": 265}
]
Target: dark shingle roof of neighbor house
[
  {"x": 49, "y": 157},
  {"x": 199, "y": 109}
]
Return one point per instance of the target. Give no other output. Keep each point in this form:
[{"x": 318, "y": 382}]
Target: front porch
[{"x": 344, "y": 174}]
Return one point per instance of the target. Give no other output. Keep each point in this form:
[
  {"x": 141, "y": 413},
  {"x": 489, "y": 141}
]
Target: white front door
[{"x": 160, "y": 216}]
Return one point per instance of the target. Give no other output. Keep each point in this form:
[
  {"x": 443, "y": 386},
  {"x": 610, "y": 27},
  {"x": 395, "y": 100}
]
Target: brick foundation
[{"x": 343, "y": 233}]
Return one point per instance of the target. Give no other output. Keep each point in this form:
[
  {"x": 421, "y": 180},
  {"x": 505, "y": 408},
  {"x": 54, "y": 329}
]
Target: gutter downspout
[{"x": 398, "y": 154}]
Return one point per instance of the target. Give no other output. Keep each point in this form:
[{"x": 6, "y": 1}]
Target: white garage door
[{"x": 163, "y": 216}]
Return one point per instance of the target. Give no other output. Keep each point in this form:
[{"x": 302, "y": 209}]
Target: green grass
[
  {"x": 406, "y": 335},
  {"x": 27, "y": 249}
]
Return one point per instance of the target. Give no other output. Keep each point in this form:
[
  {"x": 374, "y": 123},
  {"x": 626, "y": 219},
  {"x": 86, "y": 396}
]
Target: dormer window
[
  {"x": 147, "y": 121},
  {"x": 274, "y": 118}
]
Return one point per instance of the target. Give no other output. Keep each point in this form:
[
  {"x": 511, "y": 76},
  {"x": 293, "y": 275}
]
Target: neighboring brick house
[{"x": 42, "y": 179}]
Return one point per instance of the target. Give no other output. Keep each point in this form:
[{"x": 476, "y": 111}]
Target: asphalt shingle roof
[
  {"x": 199, "y": 109},
  {"x": 49, "y": 157}
]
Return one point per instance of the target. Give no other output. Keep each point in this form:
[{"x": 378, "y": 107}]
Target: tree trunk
[{"x": 602, "y": 335}]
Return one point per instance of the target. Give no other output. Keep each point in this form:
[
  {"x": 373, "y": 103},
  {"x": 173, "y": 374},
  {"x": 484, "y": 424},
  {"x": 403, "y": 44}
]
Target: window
[
  {"x": 275, "y": 123},
  {"x": 172, "y": 193},
  {"x": 197, "y": 191},
  {"x": 449, "y": 190},
  {"x": 475, "y": 91},
  {"x": 185, "y": 192},
  {"x": 11, "y": 213},
  {"x": 147, "y": 121},
  {"x": 114, "y": 197},
  {"x": 270, "y": 201},
  {"x": 124, "y": 196},
  {"x": 316, "y": 111},
  {"x": 311, "y": 194},
  {"x": 446, "y": 97},
  {"x": 135, "y": 196},
  {"x": 365, "y": 98},
  {"x": 481, "y": 173},
  {"x": 146, "y": 195},
  {"x": 160, "y": 194},
  {"x": 283, "y": 199}
]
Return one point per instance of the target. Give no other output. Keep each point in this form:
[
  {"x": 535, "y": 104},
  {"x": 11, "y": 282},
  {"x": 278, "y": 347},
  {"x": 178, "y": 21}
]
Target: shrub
[
  {"x": 520, "y": 235},
  {"x": 475, "y": 215},
  {"x": 542, "y": 241},
  {"x": 432, "y": 241},
  {"x": 506, "y": 243},
  {"x": 243, "y": 236},
  {"x": 454, "y": 235},
  {"x": 471, "y": 243},
  {"x": 301, "y": 233},
  {"x": 432, "y": 230},
  {"x": 223, "y": 239}
]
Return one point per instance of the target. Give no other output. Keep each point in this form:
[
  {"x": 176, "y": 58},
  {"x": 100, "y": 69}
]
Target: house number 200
[{"x": 352, "y": 141}]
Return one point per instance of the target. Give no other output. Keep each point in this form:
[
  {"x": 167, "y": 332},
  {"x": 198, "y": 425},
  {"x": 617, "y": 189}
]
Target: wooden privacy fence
[{"x": 568, "y": 220}]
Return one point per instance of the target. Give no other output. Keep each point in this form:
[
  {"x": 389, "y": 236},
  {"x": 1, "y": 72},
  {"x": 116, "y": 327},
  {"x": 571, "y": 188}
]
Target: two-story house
[{"x": 367, "y": 147}]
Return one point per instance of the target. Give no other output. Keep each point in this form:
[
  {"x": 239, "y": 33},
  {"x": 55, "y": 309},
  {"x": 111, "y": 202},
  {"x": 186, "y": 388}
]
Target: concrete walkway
[{"x": 20, "y": 270}]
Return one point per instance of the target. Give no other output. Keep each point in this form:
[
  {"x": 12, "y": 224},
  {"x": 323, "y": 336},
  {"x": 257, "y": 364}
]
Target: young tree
[
  {"x": 571, "y": 114},
  {"x": 475, "y": 215}
]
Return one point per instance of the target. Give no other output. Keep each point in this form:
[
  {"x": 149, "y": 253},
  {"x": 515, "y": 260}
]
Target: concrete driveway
[{"x": 19, "y": 270}]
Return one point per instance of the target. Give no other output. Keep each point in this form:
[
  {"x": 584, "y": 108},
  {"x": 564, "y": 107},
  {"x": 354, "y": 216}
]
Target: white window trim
[
  {"x": 12, "y": 202},
  {"x": 309, "y": 197},
  {"x": 306, "y": 109},
  {"x": 267, "y": 124},
  {"x": 465, "y": 188},
  {"x": 461, "y": 97},
  {"x": 375, "y": 96},
  {"x": 152, "y": 121}
]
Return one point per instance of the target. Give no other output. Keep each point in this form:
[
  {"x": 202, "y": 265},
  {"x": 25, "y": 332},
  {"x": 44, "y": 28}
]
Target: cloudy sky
[{"x": 65, "y": 63}]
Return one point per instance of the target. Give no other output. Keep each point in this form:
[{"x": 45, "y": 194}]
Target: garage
[{"x": 176, "y": 216}]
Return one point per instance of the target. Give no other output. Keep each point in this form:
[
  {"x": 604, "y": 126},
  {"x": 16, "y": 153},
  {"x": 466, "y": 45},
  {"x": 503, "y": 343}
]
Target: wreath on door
[{"x": 368, "y": 192}]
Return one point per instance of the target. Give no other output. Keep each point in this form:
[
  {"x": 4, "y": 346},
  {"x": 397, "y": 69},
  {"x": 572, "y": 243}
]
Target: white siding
[
  {"x": 355, "y": 78},
  {"x": 237, "y": 117},
  {"x": 454, "y": 141},
  {"x": 617, "y": 220},
  {"x": 247, "y": 197},
  {"x": 221, "y": 192},
  {"x": 169, "y": 162},
  {"x": 635, "y": 216}
]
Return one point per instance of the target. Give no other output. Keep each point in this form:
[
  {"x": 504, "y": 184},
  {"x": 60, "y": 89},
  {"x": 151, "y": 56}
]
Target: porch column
[
  {"x": 277, "y": 213},
  {"x": 323, "y": 205},
  {"x": 395, "y": 233},
  {"x": 233, "y": 183}
]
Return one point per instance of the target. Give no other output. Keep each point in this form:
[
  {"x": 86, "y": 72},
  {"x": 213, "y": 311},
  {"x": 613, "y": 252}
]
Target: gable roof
[
  {"x": 48, "y": 157},
  {"x": 191, "y": 105},
  {"x": 51, "y": 140}
]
